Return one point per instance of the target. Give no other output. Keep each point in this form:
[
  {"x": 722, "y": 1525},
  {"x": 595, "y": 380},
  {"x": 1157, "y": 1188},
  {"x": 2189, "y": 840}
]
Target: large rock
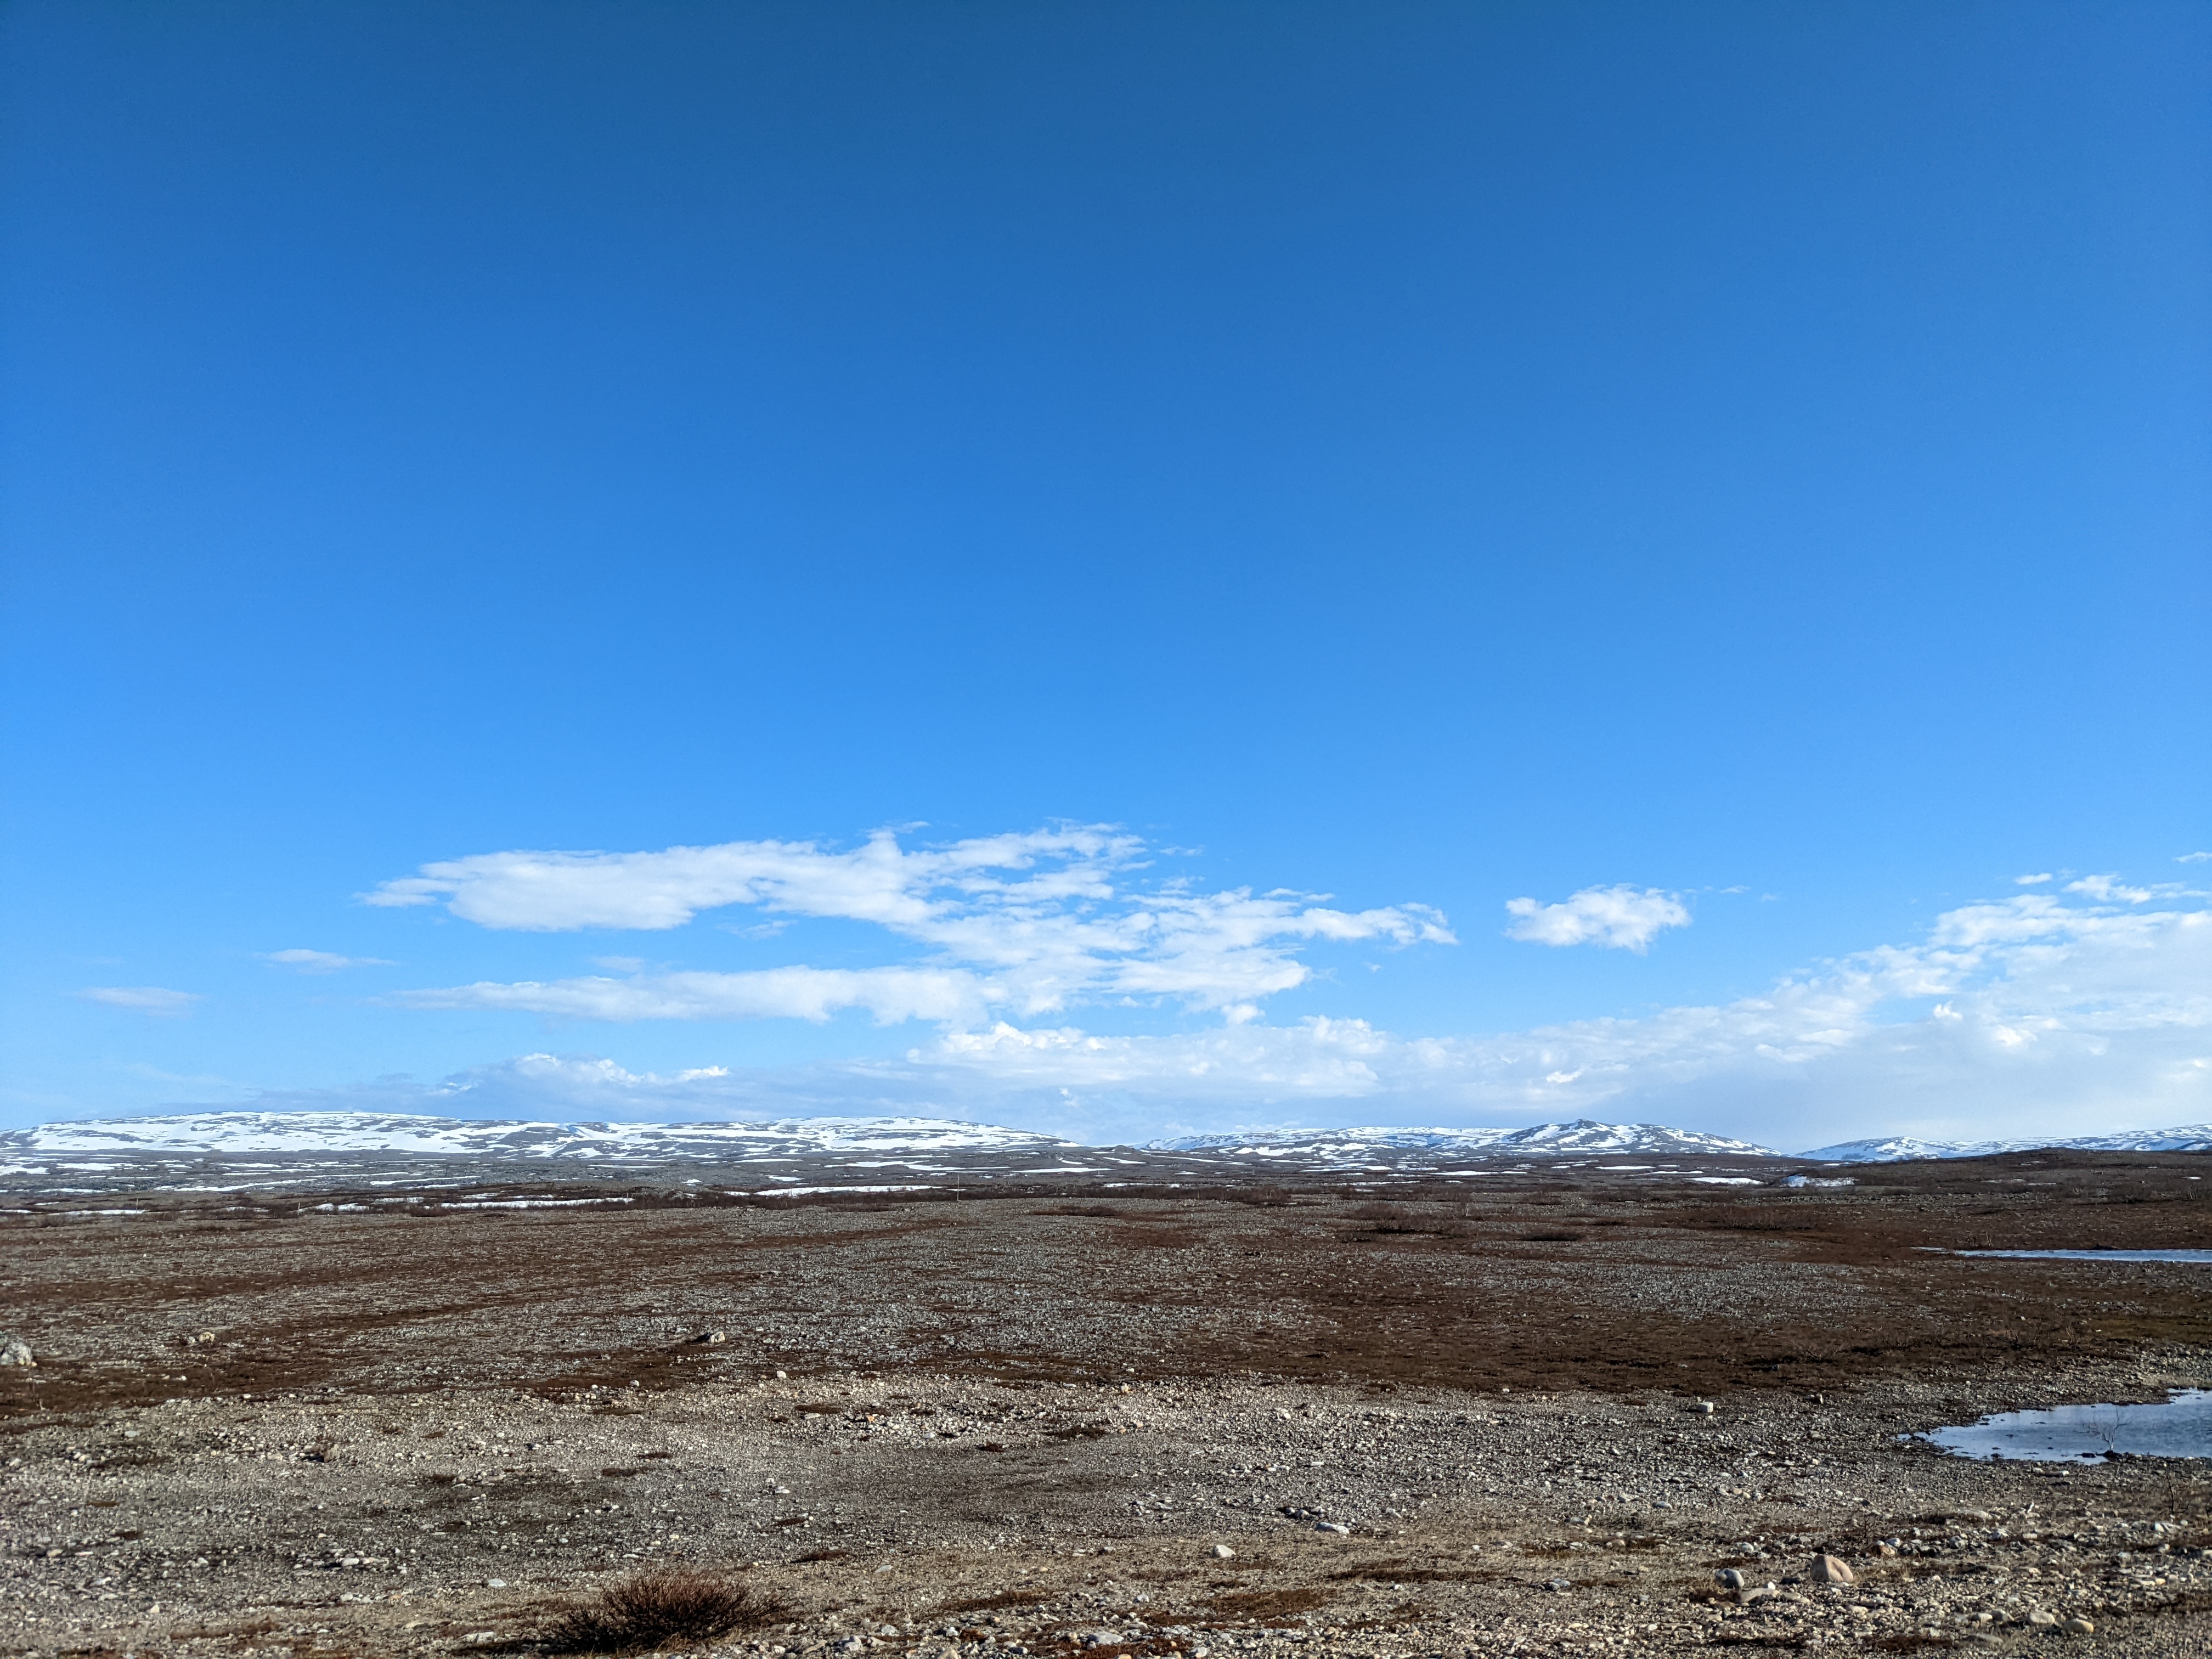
[
  {"x": 1832, "y": 1570},
  {"x": 14, "y": 1351}
]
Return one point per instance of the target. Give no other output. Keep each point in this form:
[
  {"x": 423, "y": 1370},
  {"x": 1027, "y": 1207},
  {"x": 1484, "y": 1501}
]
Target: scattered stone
[
  {"x": 2042, "y": 1616},
  {"x": 1704, "y": 1408},
  {"x": 494, "y": 1583},
  {"x": 1222, "y": 1552},
  {"x": 2078, "y": 1625},
  {"x": 1730, "y": 1578},
  {"x": 712, "y": 1337},
  {"x": 1336, "y": 1527},
  {"x": 14, "y": 1351},
  {"x": 1832, "y": 1570},
  {"x": 1558, "y": 1583},
  {"x": 1102, "y": 1638}
]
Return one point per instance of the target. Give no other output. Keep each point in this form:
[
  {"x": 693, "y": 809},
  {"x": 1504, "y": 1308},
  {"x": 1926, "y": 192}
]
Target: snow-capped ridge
[
  {"x": 277, "y": 1134},
  {"x": 313, "y": 1133},
  {"x": 1900, "y": 1149},
  {"x": 1584, "y": 1135}
]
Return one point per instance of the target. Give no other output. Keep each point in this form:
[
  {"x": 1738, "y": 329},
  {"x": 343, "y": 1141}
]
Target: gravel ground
[{"x": 1311, "y": 1424}]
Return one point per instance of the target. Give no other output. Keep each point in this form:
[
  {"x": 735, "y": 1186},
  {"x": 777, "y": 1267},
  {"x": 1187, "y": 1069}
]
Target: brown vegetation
[{"x": 657, "y": 1608}]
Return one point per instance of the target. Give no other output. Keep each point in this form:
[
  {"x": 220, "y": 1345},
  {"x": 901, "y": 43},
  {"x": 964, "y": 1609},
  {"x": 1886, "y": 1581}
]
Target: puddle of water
[
  {"x": 2177, "y": 1427},
  {"x": 2096, "y": 1256}
]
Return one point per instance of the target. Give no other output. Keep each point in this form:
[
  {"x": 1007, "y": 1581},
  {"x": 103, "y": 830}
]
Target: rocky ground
[{"x": 1451, "y": 1419}]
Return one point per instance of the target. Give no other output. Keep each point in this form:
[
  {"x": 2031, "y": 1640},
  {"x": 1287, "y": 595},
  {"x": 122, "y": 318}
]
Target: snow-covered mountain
[
  {"x": 860, "y": 1143},
  {"x": 310, "y": 1134},
  {"x": 1545, "y": 1140},
  {"x": 1898, "y": 1149}
]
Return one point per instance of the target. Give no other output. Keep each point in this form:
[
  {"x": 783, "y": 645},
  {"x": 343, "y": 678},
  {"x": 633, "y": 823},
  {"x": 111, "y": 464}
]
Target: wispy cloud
[
  {"x": 1026, "y": 924},
  {"x": 143, "y": 999},
  {"x": 2110, "y": 890},
  {"x": 891, "y": 994},
  {"x": 1620, "y": 918},
  {"x": 321, "y": 962},
  {"x": 880, "y": 881},
  {"x": 2035, "y": 880}
]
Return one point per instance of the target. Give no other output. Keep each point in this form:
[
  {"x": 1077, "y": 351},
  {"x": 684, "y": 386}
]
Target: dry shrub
[
  {"x": 1266, "y": 1195},
  {"x": 1378, "y": 1219},
  {"x": 658, "y": 1607},
  {"x": 1386, "y": 1217}
]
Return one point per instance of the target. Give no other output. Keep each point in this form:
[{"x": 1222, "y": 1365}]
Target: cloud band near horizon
[{"x": 2041, "y": 1013}]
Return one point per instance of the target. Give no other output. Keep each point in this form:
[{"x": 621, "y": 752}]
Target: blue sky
[{"x": 1744, "y": 465}]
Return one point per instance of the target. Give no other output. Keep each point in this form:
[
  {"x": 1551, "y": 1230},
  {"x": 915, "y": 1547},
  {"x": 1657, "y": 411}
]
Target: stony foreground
[{"x": 1174, "y": 1423}]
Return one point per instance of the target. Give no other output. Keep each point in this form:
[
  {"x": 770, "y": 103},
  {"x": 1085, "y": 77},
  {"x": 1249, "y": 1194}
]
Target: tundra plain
[{"x": 1535, "y": 1411}]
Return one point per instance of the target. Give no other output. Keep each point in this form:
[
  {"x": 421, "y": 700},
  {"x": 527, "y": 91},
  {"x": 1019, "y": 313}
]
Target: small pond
[
  {"x": 2204, "y": 1256},
  {"x": 2180, "y": 1426}
]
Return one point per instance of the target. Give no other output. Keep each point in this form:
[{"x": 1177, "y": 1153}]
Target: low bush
[{"x": 659, "y": 1606}]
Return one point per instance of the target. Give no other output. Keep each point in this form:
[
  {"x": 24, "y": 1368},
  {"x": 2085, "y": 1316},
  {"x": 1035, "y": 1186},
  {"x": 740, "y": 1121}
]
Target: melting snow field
[{"x": 2178, "y": 1427}]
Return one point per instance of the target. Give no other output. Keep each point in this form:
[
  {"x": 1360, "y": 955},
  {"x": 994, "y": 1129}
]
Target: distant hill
[
  {"x": 1585, "y": 1135},
  {"x": 118, "y": 1146},
  {"x": 312, "y": 1133},
  {"x": 1900, "y": 1149}
]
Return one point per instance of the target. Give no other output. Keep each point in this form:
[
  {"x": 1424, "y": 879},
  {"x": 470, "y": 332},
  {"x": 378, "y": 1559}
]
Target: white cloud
[
  {"x": 889, "y": 993},
  {"x": 321, "y": 962},
  {"x": 2036, "y": 881},
  {"x": 2026, "y": 1016},
  {"x": 142, "y": 999},
  {"x": 2106, "y": 888},
  {"x": 2195, "y": 858},
  {"x": 1029, "y": 924},
  {"x": 1621, "y": 918},
  {"x": 879, "y": 881}
]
